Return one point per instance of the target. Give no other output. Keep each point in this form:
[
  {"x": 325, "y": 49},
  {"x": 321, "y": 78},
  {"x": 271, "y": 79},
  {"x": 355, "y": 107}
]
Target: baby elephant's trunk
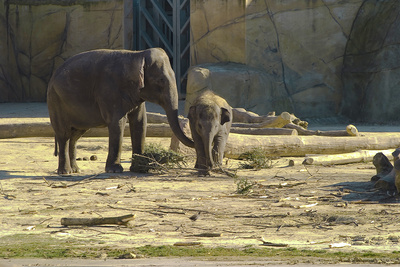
[{"x": 209, "y": 155}]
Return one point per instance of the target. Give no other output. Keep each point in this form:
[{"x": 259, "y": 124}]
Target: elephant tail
[{"x": 55, "y": 147}]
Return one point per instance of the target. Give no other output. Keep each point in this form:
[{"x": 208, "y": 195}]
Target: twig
[
  {"x": 6, "y": 196},
  {"x": 230, "y": 174},
  {"x": 64, "y": 185},
  {"x": 177, "y": 208}
]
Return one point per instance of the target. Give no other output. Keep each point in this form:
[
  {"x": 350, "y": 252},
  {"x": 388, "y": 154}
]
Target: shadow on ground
[{"x": 365, "y": 192}]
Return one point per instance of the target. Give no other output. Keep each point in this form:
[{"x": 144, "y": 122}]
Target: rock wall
[
  {"x": 299, "y": 44},
  {"x": 37, "y": 36}
]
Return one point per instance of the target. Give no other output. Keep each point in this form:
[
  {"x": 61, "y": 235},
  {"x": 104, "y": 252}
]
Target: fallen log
[
  {"x": 267, "y": 122},
  {"x": 244, "y": 116},
  {"x": 44, "y": 129},
  {"x": 291, "y": 145},
  {"x": 121, "y": 220},
  {"x": 344, "y": 158},
  {"x": 263, "y": 131},
  {"x": 351, "y": 130},
  {"x": 153, "y": 130},
  {"x": 36, "y": 129}
]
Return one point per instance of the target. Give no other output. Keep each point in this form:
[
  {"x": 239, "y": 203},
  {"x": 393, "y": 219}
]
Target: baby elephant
[{"x": 210, "y": 118}]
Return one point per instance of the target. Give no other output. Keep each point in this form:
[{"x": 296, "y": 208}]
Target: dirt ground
[{"x": 316, "y": 207}]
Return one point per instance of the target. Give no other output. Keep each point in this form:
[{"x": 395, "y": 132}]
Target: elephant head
[{"x": 160, "y": 88}]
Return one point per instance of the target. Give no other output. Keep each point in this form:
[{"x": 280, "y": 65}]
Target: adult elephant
[{"x": 104, "y": 88}]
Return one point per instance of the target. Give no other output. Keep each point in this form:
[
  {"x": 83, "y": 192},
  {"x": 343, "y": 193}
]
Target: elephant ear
[
  {"x": 225, "y": 116},
  {"x": 192, "y": 111}
]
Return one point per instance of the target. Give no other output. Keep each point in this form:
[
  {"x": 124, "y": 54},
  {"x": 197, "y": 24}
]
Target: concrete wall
[{"x": 37, "y": 36}]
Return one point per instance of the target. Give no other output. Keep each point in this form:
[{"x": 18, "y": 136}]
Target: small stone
[
  {"x": 85, "y": 158},
  {"x": 93, "y": 157}
]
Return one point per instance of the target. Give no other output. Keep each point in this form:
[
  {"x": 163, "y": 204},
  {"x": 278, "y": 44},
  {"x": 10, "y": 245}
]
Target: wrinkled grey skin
[
  {"x": 210, "y": 119},
  {"x": 104, "y": 88}
]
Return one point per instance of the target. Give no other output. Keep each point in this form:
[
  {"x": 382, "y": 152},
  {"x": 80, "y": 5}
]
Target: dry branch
[{"x": 121, "y": 220}]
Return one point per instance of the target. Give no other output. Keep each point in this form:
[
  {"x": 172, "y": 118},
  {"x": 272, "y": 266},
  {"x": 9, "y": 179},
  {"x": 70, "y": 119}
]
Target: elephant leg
[
  {"x": 137, "y": 126},
  {"x": 116, "y": 134},
  {"x": 75, "y": 135},
  {"x": 201, "y": 158},
  {"x": 64, "y": 165},
  {"x": 219, "y": 148}
]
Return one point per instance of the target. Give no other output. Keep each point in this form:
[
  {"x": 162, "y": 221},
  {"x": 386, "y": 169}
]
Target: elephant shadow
[
  {"x": 53, "y": 178},
  {"x": 365, "y": 191}
]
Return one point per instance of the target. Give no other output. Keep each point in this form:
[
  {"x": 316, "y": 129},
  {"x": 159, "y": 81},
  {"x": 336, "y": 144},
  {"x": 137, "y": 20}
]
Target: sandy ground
[
  {"x": 316, "y": 207},
  {"x": 303, "y": 207}
]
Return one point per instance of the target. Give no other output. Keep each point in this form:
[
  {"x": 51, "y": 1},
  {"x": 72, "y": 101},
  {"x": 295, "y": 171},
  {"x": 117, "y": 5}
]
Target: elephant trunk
[
  {"x": 173, "y": 121},
  {"x": 208, "y": 147}
]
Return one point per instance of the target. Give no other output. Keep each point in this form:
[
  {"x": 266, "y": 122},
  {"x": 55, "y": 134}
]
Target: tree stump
[{"x": 382, "y": 165}]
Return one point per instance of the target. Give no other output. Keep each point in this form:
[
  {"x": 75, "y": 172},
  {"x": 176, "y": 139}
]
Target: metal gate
[{"x": 165, "y": 24}]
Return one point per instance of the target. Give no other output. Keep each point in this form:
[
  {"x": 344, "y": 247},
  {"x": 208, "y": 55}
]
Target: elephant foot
[
  {"x": 63, "y": 171},
  {"x": 75, "y": 169},
  {"x": 204, "y": 172},
  {"x": 116, "y": 168}
]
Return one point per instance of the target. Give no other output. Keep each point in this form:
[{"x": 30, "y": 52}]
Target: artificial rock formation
[
  {"x": 38, "y": 36},
  {"x": 296, "y": 46},
  {"x": 371, "y": 73}
]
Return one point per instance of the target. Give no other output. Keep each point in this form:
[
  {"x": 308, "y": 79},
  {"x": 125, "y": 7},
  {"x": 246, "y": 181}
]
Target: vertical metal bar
[
  {"x": 177, "y": 50},
  {"x": 135, "y": 20},
  {"x": 150, "y": 29}
]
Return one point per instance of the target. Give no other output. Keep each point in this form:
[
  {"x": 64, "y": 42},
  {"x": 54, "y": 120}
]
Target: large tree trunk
[
  {"x": 44, "y": 129},
  {"x": 290, "y": 145},
  {"x": 264, "y": 131},
  {"x": 345, "y": 158},
  {"x": 351, "y": 130}
]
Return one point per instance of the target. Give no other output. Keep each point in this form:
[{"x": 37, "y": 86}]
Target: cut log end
[{"x": 352, "y": 130}]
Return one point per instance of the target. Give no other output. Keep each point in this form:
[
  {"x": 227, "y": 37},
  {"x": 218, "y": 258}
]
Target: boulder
[{"x": 241, "y": 86}]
